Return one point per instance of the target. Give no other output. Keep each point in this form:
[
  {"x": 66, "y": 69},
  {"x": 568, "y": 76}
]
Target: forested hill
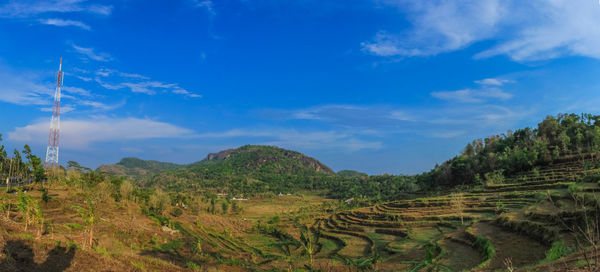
[
  {"x": 252, "y": 158},
  {"x": 250, "y": 168},
  {"x": 137, "y": 168},
  {"x": 564, "y": 137}
]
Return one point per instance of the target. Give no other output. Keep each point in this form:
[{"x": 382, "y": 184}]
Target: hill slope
[
  {"x": 250, "y": 168},
  {"x": 137, "y": 168},
  {"x": 250, "y": 159}
]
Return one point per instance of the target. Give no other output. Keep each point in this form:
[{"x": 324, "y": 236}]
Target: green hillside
[
  {"x": 137, "y": 168},
  {"x": 247, "y": 169}
]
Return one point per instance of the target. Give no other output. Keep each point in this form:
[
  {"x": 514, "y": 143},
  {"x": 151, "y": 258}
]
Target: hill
[
  {"x": 250, "y": 159},
  {"x": 137, "y": 168},
  {"x": 247, "y": 169}
]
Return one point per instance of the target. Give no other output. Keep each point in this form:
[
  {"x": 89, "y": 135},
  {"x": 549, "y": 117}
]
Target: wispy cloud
[
  {"x": 77, "y": 91},
  {"x": 28, "y": 8},
  {"x": 346, "y": 115},
  {"x": 82, "y": 133},
  {"x": 493, "y": 81},
  {"x": 524, "y": 31},
  {"x": 61, "y": 22},
  {"x": 446, "y": 121},
  {"x": 90, "y": 53},
  {"x": 186, "y": 93},
  {"x": 208, "y": 5},
  {"x": 472, "y": 96},
  {"x": 23, "y": 88},
  {"x": 138, "y": 83}
]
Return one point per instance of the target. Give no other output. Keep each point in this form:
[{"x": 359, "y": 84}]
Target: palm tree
[{"x": 309, "y": 243}]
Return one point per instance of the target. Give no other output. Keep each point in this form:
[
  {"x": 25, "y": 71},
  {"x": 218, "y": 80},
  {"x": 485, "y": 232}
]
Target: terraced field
[{"x": 515, "y": 223}]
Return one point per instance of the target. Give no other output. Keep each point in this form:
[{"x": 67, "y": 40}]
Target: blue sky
[{"x": 380, "y": 86}]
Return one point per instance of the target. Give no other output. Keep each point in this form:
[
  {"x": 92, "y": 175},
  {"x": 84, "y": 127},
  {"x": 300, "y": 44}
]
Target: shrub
[
  {"x": 557, "y": 251},
  {"x": 193, "y": 266},
  {"x": 495, "y": 177},
  {"x": 486, "y": 248},
  {"x": 139, "y": 266},
  {"x": 500, "y": 207},
  {"x": 171, "y": 246},
  {"x": 177, "y": 212},
  {"x": 574, "y": 188}
]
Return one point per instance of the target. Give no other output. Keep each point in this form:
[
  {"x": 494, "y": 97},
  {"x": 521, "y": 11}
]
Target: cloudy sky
[{"x": 380, "y": 86}]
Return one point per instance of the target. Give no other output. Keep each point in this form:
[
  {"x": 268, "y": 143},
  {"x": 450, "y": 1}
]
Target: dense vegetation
[
  {"x": 521, "y": 150},
  {"x": 137, "y": 168},
  {"x": 16, "y": 169}
]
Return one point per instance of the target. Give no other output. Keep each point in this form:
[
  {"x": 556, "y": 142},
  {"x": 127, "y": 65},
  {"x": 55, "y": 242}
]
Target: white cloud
[
  {"x": 91, "y": 54},
  {"x": 23, "y": 88},
  {"x": 472, "y": 96},
  {"x": 493, "y": 81},
  {"x": 523, "y": 30},
  {"x": 79, "y": 134},
  {"x": 29, "y": 8},
  {"x": 186, "y": 93},
  {"x": 61, "y": 22},
  {"x": 401, "y": 115},
  {"x": 145, "y": 87},
  {"x": 76, "y": 90},
  {"x": 439, "y": 26},
  {"x": 133, "y": 75},
  {"x": 86, "y": 79}
]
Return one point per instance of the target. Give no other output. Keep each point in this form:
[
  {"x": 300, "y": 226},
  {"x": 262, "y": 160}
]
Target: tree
[
  {"x": 35, "y": 164},
  {"x": 309, "y": 242},
  {"x": 90, "y": 218},
  {"x": 32, "y": 213},
  {"x": 158, "y": 201},
  {"x": 225, "y": 207},
  {"x": 126, "y": 189}
]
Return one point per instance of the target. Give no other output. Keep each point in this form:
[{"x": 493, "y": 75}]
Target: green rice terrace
[{"x": 523, "y": 223}]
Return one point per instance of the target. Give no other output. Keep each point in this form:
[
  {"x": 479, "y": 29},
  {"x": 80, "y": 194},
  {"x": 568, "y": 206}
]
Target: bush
[
  {"x": 486, "y": 248},
  {"x": 171, "y": 246},
  {"x": 574, "y": 188},
  {"x": 177, "y": 212},
  {"x": 496, "y": 177},
  {"x": 193, "y": 266},
  {"x": 557, "y": 251}
]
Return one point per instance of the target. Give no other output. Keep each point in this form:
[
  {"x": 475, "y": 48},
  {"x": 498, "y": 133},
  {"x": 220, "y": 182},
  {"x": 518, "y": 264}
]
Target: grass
[{"x": 139, "y": 266}]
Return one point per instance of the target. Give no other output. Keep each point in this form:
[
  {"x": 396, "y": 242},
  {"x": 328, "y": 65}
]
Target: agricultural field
[{"x": 524, "y": 222}]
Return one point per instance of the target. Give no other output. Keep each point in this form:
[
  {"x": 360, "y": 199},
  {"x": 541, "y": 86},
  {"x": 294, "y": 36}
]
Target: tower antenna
[{"x": 53, "y": 138}]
